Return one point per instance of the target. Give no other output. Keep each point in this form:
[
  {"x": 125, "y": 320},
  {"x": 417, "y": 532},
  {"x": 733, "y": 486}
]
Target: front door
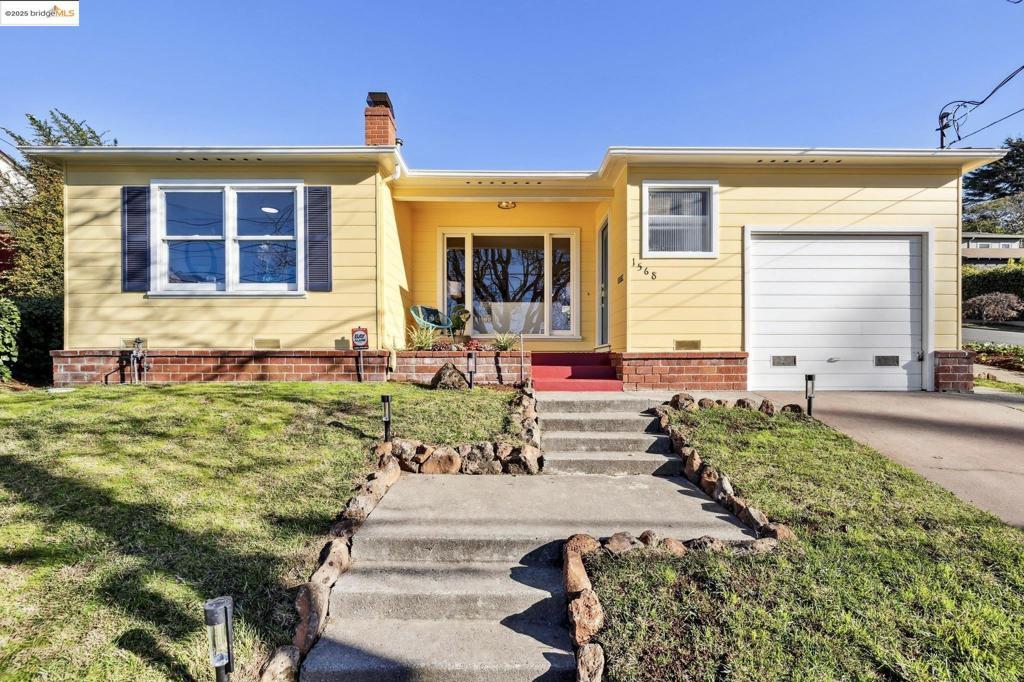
[{"x": 602, "y": 286}]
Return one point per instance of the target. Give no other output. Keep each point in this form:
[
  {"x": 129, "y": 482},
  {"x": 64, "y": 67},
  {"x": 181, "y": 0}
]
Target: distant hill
[{"x": 1005, "y": 214}]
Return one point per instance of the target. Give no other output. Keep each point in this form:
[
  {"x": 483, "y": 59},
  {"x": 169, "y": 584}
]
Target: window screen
[{"x": 679, "y": 220}]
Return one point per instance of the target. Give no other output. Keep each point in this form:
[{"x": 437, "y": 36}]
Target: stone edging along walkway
[
  {"x": 391, "y": 459},
  {"x": 586, "y": 615}
]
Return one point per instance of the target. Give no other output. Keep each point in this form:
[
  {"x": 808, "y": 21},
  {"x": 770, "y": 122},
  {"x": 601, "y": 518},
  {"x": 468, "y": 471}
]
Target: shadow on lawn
[{"x": 200, "y": 560}]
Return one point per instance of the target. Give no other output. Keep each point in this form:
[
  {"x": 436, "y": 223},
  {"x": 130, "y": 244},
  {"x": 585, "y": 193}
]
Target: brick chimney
[{"x": 380, "y": 119}]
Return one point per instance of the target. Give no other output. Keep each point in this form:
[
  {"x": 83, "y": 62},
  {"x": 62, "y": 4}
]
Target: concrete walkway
[
  {"x": 458, "y": 578},
  {"x": 998, "y": 373},
  {"x": 973, "y": 445}
]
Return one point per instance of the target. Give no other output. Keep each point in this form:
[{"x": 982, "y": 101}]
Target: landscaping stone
[
  {"x": 737, "y": 505},
  {"x": 344, "y": 528},
  {"x": 649, "y": 538},
  {"x": 359, "y": 507},
  {"x": 754, "y": 547},
  {"x": 779, "y": 531},
  {"x": 283, "y": 665},
  {"x": 586, "y": 617},
  {"x": 376, "y": 487},
  {"x": 382, "y": 454},
  {"x": 581, "y": 544},
  {"x": 620, "y": 543},
  {"x": 673, "y": 547},
  {"x": 423, "y": 453},
  {"x": 723, "y": 490},
  {"x": 589, "y": 663},
  {"x": 404, "y": 451},
  {"x": 767, "y": 407},
  {"x": 479, "y": 458},
  {"x": 708, "y": 480},
  {"x": 389, "y": 473},
  {"x": 444, "y": 460},
  {"x": 745, "y": 404},
  {"x": 706, "y": 403},
  {"x": 754, "y": 517},
  {"x": 680, "y": 401},
  {"x": 706, "y": 543},
  {"x": 524, "y": 460},
  {"x": 722, "y": 403},
  {"x": 574, "y": 574},
  {"x": 692, "y": 466},
  {"x": 504, "y": 451},
  {"x": 336, "y": 560},
  {"x": 311, "y": 606},
  {"x": 679, "y": 438},
  {"x": 793, "y": 408},
  {"x": 449, "y": 377}
]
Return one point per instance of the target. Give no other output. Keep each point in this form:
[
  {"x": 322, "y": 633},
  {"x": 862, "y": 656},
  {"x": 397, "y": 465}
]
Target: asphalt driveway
[{"x": 972, "y": 445}]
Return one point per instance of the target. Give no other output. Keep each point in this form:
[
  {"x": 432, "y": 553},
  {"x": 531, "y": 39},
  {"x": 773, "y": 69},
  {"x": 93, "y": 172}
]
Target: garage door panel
[
  {"x": 833, "y": 274},
  {"x": 904, "y": 287},
  {"x": 769, "y": 302},
  {"x": 834, "y": 304}
]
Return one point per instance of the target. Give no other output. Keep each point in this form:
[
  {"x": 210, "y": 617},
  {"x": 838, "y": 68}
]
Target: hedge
[
  {"x": 1007, "y": 279},
  {"x": 10, "y": 322},
  {"x": 42, "y": 330}
]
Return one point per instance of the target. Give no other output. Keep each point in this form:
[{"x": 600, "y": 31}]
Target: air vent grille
[
  {"x": 687, "y": 344},
  {"x": 783, "y": 361}
]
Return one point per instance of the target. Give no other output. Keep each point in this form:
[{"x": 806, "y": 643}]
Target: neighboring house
[
  {"x": 692, "y": 267},
  {"x": 989, "y": 248},
  {"x": 7, "y": 167}
]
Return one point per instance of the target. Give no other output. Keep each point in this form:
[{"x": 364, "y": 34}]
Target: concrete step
[
  {"x": 612, "y": 463},
  {"x": 573, "y": 372},
  {"x": 452, "y": 591},
  {"x": 602, "y": 421},
  {"x": 400, "y": 650},
  {"x": 627, "y": 441},
  {"x": 596, "y": 403},
  {"x": 436, "y": 546},
  {"x": 577, "y": 385}
]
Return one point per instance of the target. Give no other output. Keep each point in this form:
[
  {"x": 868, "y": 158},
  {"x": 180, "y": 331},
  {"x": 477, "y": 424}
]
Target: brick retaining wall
[
  {"x": 954, "y": 371},
  {"x": 698, "y": 371},
  {"x": 492, "y": 367},
  {"x": 107, "y": 366}
]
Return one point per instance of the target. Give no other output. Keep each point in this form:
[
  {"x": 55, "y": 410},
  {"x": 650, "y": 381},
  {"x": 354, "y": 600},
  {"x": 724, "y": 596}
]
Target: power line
[
  {"x": 954, "y": 113},
  {"x": 964, "y": 137}
]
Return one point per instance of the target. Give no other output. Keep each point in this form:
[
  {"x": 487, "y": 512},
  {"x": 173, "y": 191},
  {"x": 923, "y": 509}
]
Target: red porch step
[{"x": 574, "y": 372}]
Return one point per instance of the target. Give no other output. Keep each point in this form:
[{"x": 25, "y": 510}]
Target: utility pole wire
[
  {"x": 953, "y": 114},
  {"x": 999, "y": 120}
]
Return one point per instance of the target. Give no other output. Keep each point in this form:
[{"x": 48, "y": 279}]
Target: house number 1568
[{"x": 640, "y": 267}]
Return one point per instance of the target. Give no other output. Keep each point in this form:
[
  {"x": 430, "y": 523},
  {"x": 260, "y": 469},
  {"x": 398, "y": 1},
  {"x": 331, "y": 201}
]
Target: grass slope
[
  {"x": 892, "y": 577},
  {"x": 123, "y": 508}
]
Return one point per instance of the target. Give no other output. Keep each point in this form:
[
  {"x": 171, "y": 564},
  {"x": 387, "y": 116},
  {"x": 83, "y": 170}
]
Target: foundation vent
[
  {"x": 687, "y": 344},
  {"x": 266, "y": 344}
]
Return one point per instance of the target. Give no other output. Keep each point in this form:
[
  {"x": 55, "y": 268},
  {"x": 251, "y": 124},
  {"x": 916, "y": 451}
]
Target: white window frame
[
  {"x": 573, "y": 234},
  {"x": 647, "y": 186},
  {"x": 160, "y": 285}
]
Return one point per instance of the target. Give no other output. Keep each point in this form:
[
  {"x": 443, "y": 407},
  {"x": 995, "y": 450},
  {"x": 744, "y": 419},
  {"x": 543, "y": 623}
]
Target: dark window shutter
[
  {"x": 318, "y": 239},
  {"x": 135, "y": 238}
]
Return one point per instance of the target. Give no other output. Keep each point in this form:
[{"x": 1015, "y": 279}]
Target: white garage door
[{"x": 844, "y": 308}]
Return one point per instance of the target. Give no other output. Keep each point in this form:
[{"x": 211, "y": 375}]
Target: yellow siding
[
  {"x": 99, "y": 315},
  {"x": 618, "y": 279},
  {"x": 431, "y": 219},
  {"x": 395, "y": 251},
  {"x": 703, "y": 298}
]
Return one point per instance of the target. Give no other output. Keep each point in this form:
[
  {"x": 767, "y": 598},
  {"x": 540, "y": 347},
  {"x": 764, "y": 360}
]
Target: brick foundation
[
  {"x": 492, "y": 367},
  {"x": 698, "y": 371},
  {"x": 954, "y": 371},
  {"x": 106, "y": 366}
]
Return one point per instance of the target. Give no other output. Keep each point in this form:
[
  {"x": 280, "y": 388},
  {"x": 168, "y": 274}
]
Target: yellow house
[{"x": 663, "y": 268}]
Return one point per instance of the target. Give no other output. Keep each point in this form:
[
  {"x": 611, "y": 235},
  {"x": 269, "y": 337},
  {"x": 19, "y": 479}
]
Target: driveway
[
  {"x": 994, "y": 333},
  {"x": 973, "y": 445}
]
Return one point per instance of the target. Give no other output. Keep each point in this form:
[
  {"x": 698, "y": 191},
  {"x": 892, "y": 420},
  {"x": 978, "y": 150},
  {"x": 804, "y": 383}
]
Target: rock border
[
  {"x": 586, "y": 615},
  {"x": 713, "y": 483},
  {"x": 485, "y": 457}
]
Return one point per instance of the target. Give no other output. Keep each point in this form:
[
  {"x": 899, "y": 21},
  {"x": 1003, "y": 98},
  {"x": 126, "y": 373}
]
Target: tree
[
  {"x": 32, "y": 205},
  {"x": 1003, "y": 178}
]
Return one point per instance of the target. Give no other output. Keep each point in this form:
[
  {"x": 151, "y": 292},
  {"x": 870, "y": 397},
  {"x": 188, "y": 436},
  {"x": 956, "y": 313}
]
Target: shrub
[
  {"x": 10, "y": 323},
  {"x": 1004, "y": 355},
  {"x": 422, "y": 338},
  {"x": 42, "y": 330},
  {"x": 1002, "y": 278},
  {"x": 505, "y": 341},
  {"x": 995, "y": 307}
]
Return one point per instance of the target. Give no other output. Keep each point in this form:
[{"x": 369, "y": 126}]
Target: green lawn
[
  {"x": 892, "y": 577},
  {"x": 1000, "y": 385},
  {"x": 123, "y": 508}
]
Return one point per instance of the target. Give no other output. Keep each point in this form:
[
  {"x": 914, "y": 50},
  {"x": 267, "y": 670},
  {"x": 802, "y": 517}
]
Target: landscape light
[
  {"x": 220, "y": 632},
  {"x": 809, "y": 393},
  {"x": 386, "y": 417},
  {"x": 471, "y": 366}
]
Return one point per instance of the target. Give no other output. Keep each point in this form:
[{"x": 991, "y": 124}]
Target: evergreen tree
[{"x": 1003, "y": 178}]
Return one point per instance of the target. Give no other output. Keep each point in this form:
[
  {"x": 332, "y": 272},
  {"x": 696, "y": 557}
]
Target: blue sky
[{"x": 545, "y": 85}]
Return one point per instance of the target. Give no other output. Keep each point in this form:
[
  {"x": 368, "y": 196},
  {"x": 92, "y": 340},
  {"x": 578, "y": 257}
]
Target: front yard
[
  {"x": 891, "y": 578},
  {"x": 123, "y": 508}
]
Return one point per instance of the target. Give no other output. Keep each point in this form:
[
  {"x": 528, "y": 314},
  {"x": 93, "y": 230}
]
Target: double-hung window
[
  {"x": 227, "y": 237},
  {"x": 680, "y": 219}
]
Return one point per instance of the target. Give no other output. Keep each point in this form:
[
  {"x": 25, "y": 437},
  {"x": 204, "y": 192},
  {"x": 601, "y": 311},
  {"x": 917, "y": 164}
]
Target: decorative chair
[{"x": 432, "y": 318}]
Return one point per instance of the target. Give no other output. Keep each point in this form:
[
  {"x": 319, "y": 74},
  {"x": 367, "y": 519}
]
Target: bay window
[
  {"x": 227, "y": 238},
  {"x": 524, "y": 282},
  {"x": 680, "y": 219}
]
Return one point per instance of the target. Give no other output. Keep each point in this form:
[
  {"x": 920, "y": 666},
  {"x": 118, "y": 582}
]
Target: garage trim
[{"x": 927, "y": 235}]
